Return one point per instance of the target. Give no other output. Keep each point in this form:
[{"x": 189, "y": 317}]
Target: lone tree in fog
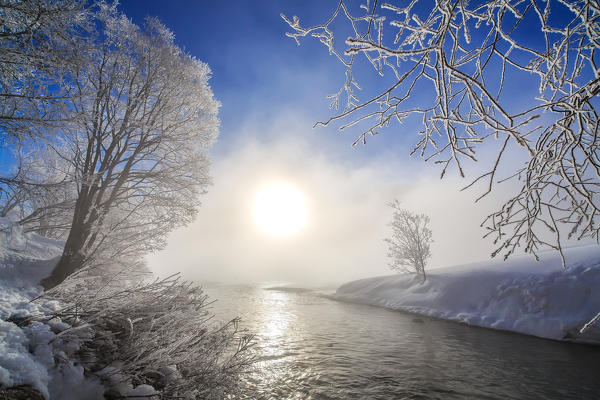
[
  {"x": 143, "y": 118},
  {"x": 408, "y": 248},
  {"x": 451, "y": 65}
]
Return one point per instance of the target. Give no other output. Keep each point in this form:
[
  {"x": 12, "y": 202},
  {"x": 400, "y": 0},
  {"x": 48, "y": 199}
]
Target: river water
[{"x": 311, "y": 347}]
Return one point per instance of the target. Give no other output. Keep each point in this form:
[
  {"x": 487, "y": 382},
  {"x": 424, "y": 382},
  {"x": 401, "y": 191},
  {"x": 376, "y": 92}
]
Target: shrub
[{"x": 158, "y": 333}]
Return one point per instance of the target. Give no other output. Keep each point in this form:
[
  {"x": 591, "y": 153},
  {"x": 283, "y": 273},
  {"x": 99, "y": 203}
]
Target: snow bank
[
  {"x": 29, "y": 350},
  {"x": 520, "y": 295}
]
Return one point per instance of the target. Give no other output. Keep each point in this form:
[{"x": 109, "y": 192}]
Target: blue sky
[
  {"x": 258, "y": 72},
  {"x": 260, "y": 75},
  {"x": 272, "y": 91},
  {"x": 256, "y": 69}
]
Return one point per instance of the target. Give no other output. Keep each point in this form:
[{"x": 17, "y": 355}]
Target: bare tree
[
  {"x": 449, "y": 62},
  {"x": 41, "y": 192},
  {"x": 408, "y": 248},
  {"x": 144, "y": 117}
]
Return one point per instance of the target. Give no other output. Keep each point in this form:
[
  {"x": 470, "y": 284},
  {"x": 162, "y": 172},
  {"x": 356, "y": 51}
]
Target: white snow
[
  {"x": 29, "y": 353},
  {"x": 520, "y": 294},
  {"x": 122, "y": 384},
  {"x": 17, "y": 365}
]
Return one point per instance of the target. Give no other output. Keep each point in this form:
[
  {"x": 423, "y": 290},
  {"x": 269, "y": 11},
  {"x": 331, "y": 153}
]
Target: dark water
[{"x": 311, "y": 347}]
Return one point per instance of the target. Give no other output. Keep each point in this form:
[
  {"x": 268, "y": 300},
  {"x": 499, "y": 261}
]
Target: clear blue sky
[{"x": 258, "y": 72}]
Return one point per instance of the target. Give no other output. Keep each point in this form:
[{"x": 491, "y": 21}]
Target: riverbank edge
[
  {"x": 594, "y": 342},
  {"x": 539, "y": 299}
]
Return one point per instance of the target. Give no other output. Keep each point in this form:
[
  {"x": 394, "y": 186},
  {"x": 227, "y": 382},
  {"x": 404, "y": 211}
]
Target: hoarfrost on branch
[{"x": 449, "y": 63}]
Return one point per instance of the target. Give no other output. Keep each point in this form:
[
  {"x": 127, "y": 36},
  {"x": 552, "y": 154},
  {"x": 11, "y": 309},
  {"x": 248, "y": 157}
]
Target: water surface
[{"x": 312, "y": 347}]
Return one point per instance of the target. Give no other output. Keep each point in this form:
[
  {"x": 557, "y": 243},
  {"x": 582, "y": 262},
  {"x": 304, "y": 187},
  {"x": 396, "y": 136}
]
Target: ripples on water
[{"x": 311, "y": 347}]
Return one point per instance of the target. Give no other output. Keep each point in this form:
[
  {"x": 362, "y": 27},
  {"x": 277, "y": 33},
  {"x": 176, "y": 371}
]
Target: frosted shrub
[{"x": 158, "y": 333}]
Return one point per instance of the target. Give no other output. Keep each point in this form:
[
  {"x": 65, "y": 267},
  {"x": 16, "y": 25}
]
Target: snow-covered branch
[{"x": 460, "y": 57}]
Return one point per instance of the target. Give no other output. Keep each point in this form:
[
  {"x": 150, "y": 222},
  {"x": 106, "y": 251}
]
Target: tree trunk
[
  {"x": 73, "y": 257},
  {"x": 71, "y": 260}
]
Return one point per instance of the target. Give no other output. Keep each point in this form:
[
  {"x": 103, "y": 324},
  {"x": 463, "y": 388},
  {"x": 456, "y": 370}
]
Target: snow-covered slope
[
  {"x": 521, "y": 295},
  {"x": 29, "y": 350}
]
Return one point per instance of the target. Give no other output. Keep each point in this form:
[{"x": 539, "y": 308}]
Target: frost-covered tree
[
  {"x": 449, "y": 63},
  {"x": 41, "y": 192},
  {"x": 143, "y": 119},
  {"x": 41, "y": 42},
  {"x": 409, "y": 245}
]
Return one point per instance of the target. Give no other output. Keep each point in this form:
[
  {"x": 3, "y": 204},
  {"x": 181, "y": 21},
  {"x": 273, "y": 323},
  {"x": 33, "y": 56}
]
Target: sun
[{"x": 280, "y": 209}]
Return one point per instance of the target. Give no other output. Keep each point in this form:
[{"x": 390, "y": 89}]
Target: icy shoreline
[{"x": 520, "y": 295}]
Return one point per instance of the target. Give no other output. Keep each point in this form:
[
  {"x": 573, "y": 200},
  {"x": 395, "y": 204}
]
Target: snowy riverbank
[
  {"x": 520, "y": 295},
  {"x": 29, "y": 348},
  {"x": 103, "y": 333}
]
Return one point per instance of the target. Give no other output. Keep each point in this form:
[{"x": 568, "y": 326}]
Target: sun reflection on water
[
  {"x": 308, "y": 347},
  {"x": 278, "y": 346},
  {"x": 275, "y": 317}
]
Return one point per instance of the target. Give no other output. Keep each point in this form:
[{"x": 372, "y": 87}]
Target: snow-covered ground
[
  {"x": 43, "y": 353},
  {"x": 29, "y": 350},
  {"x": 520, "y": 294}
]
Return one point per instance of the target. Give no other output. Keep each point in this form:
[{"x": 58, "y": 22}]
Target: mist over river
[{"x": 311, "y": 347}]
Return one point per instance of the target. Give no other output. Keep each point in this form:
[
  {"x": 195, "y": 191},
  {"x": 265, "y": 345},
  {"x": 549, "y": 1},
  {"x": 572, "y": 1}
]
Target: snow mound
[
  {"x": 29, "y": 349},
  {"x": 520, "y": 295}
]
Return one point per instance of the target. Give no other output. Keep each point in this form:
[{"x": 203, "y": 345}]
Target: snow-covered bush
[
  {"x": 156, "y": 335},
  {"x": 37, "y": 353},
  {"x": 109, "y": 324}
]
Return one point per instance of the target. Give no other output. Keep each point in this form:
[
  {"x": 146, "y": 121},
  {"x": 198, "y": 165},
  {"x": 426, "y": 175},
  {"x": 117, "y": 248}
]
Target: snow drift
[
  {"x": 520, "y": 295},
  {"x": 29, "y": 351}
]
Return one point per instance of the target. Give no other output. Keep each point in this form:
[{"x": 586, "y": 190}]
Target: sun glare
[{"x": 280, "y": 209}]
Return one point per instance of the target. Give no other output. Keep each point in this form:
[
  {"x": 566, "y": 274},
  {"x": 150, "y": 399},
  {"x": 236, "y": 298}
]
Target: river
[{"x": 311, "y": 347}]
